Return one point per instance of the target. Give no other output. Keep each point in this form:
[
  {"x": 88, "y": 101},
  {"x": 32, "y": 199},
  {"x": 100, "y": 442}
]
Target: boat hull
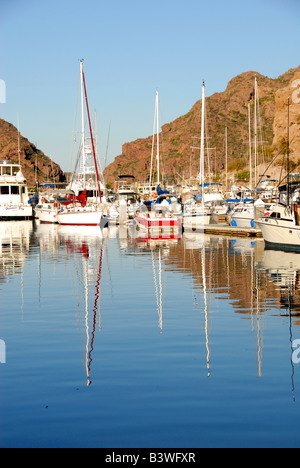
[
  {"x": 242, "y": 222},
  {"x": 16, "y": 213},
  {"x": 156, "y": 225},
  {"x": 195, "y": 222},
  {"x": 79, "y": 218},
  {"x": 47, "y": 216},
  {"x": 284, "y": 235}
]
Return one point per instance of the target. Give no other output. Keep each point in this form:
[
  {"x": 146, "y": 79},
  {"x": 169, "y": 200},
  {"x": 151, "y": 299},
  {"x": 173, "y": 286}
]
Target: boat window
[
  {"x": 15, "y": 190},
  {"x": 6, "y": 170},
  {"x": 23, "y": 189},
  {"x": 275, "y": 215},
  {"x": 4, "y": 190}
]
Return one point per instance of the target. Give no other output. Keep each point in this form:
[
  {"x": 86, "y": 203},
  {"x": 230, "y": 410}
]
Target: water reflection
[
  {"x": 222, "y": 267},
  {"x": 15, "y": 239},
  {"x": 81, "y": 249},
  {"x": 283, "y": 269},
  {"x": 151, "y": 335},
  {"x": 85, "y": 249},
  {"x": 237, "y": 272}
]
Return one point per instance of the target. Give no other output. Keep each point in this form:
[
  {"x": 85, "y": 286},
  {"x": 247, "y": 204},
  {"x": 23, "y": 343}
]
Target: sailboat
[
  {"x": 243, "y": 213},
  {"x": 281, "y": 228},
  {"x": 196, "y": 216},
  {"x": 159, "y": 220},
  {"x": 77, "y": 211}
]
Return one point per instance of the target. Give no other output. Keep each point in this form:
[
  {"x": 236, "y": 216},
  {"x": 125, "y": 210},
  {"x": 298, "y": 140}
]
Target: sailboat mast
[
  {"x": 255, "y": 133},
  {"x": 19, "y": 151},
  {"x": 226, "y": 145},
  {"x": 250, "y": 149},
  {"x": 202, "y": 143},
  {"x": 92, "y": 139},
  {"x": 157, "y": 138},
  {"x": 82, "y": 122},
  {"x": 288, "y": 157},
  {"x": 96, "y": 133}
]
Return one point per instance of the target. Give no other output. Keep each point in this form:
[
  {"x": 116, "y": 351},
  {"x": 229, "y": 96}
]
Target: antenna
[
  {"x": 288, "y": 155},
  {"x": 19, "y": 151}
]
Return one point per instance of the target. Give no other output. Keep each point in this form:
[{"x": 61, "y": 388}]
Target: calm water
[{"x": 114, "y": 342}]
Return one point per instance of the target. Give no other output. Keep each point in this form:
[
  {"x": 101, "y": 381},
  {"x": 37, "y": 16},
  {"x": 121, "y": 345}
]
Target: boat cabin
[{"x": 13, "y": 185}]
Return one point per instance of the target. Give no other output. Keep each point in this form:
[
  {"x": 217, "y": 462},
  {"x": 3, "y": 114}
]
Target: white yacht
[
  {"x": 245, "y": 214},
  {"x": 195, "y": 216},
  {"x": 13, "y": 193},
  {"x": 242, "y": 215},
  {"x": 281, "y": 228}
]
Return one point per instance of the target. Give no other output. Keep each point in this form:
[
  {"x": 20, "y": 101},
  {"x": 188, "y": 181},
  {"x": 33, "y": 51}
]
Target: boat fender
[
  {"x": 267, "y": 214},
  {"x": 233, "y": 224},
  {"x": 252, "y": 223}
]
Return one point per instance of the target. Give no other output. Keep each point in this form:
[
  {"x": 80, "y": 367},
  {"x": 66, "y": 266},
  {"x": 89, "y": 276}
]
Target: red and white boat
[
  {"x": 77, "y": 211},
  {"x": 157, "y": 223}
]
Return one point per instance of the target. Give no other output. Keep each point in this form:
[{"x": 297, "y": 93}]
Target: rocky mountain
[
  {"x": 225, "y": 109},
  {"x": 35, "y": 164}
]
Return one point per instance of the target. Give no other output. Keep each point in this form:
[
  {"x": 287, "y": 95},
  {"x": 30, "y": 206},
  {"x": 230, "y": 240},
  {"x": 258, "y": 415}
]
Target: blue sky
[{"x": 131, "y": 48}]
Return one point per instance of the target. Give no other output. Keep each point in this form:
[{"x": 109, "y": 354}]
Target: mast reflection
[
  {"x": 283, "y": 269},
  {"x": 86, "y": 248}
]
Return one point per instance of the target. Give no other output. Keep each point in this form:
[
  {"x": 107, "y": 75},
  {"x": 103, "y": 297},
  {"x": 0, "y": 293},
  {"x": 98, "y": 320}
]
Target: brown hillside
[
  {"x": 226, "y": 109},
  {"x": 30, "y": 156}
]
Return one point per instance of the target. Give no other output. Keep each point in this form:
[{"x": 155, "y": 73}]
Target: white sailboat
[
  {"x": 84, "y": 213},
  {"x": 196, "y": 216},
  {"x": 281, "y": 228},
  {"x": 243, "y": 213},
  {"x": 159, "y": 220}
]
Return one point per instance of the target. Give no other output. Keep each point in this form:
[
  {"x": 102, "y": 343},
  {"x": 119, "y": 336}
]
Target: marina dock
[{"x": 226, "y": 230}]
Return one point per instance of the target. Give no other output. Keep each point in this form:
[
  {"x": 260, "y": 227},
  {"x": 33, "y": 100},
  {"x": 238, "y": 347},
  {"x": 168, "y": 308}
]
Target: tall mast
[
  {"x": 226, "y": 145},
  {"x": 82, "y": 121},
  {"x": 288, "y": 156},
  {"x": 96, "y": 133},
  {"x": 96, "y": 145},
  {"x": 202, "y": 143},
  {"x": 19, "y": 151},
  {"x": 255, "y": 132},
  {"x": 250, "y": 149},
  {"x": 157, "y": 138}
]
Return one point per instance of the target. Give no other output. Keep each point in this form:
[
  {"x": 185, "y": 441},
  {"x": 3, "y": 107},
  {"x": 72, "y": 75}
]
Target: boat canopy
[
  {"x": 207, "y": 184},
  {"x": 239, "y": 200},
  {"x": 268, "y": 180},
  {"x": 161, "y": 192}
]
